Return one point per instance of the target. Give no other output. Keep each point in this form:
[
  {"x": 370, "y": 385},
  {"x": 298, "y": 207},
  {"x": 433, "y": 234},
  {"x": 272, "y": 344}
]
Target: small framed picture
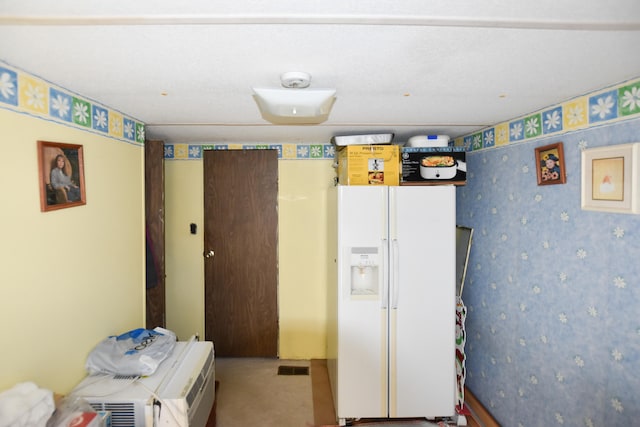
[
  {"x": 61, "y": 170},
  {"x": 610, "y": 178},
  {"x": 550, "y": 164}
]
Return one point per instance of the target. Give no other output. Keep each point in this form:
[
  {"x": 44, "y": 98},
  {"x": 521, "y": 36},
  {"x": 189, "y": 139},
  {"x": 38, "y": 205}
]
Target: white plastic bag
[
  {"x": 138, "y": 352},
  {"x": 72, "y": 412}
]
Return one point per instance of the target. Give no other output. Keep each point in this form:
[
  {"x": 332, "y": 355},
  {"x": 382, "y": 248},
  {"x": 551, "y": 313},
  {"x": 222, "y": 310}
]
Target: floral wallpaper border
[
  {"x": 609, "y": 105},
  {"x": 26, "y": 93},
  {"x": 285, "y": 151}
]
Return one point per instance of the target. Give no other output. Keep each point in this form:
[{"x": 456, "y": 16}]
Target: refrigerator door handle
[
  {"x": 395, "y": 274},
  {"x": 385, "y": 281}
]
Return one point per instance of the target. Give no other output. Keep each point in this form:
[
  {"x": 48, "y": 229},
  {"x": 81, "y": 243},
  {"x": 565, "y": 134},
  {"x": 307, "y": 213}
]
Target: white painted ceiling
[{"x": 186, "y": 68}]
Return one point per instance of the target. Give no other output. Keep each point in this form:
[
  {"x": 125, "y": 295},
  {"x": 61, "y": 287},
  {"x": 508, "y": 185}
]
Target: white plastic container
[
  {"x": 382, "y": 138},
  {"x": 428, "y": 141}
]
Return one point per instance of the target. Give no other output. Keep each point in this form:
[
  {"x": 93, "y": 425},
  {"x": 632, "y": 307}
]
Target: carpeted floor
[{"x": 251, "y": 393}]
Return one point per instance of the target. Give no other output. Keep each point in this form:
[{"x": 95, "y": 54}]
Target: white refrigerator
[{"x": 391, "y": 338}]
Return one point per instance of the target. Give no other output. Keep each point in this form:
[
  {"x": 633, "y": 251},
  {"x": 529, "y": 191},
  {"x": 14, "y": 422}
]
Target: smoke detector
[{"x": 295, "y": 79}]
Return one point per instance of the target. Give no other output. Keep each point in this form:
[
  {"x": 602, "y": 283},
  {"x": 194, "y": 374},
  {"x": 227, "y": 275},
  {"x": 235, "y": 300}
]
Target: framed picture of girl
[
  {"x": 61, "y": 172},
  {"x": 550, "y": 164}
]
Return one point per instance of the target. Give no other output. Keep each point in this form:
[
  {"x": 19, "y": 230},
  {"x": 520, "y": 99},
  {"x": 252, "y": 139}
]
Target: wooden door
[
  {"x": 241, "y": 252},
  {"x": 154, "y": 214}
]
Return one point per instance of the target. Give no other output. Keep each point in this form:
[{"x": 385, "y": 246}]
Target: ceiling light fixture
[{"x": 294, "y": 103}]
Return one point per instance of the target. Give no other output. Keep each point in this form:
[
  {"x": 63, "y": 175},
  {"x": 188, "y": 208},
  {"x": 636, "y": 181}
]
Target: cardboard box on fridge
[
  {"x": 369, "y": 165},
  {"x": 433, "y": 166}
]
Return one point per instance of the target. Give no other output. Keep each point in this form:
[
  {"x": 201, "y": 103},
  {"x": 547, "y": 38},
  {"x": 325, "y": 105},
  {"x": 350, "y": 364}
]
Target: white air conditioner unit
[{"x": 179, "y": 394}]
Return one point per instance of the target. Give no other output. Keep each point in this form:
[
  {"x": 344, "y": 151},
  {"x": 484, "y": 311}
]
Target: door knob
[{"x": 209, "y": 254}]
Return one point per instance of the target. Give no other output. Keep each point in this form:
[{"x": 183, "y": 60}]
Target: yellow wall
[
  {"x": 183, "y": 251},
  {"x": 302, "y": 284},
  {"x": 69, "y": 277},
  {"x": 302, "y": 200}
]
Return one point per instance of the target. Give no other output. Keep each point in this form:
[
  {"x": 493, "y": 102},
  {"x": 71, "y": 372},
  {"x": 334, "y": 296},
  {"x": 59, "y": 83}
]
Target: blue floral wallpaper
[{"x": 552, "y": 291}]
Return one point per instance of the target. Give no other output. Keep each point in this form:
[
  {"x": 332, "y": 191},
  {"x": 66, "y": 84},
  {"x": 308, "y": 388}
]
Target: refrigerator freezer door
[
  {"x": 422, "y": 327},
  {"x": 362, "y": 316}
]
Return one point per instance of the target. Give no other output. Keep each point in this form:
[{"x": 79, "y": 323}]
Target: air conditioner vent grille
[
  {"x": 122, "y": 414},
  {"x": 199, "y": 382},
  {"x": 195, "y": 389}
]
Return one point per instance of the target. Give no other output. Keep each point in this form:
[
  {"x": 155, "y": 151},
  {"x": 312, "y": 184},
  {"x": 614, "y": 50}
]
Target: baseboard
[{"x": 480, "y": 414}]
